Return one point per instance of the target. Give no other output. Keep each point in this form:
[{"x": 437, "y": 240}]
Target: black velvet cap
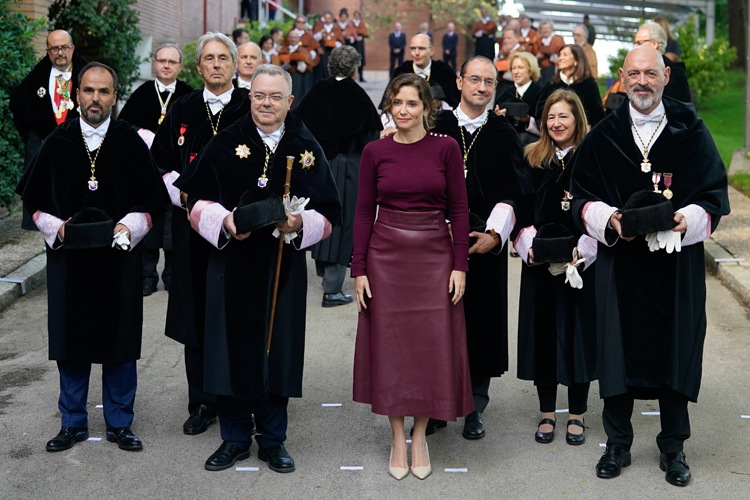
[
  {"x": 646, "y": 212},
  {"x": 515, "y": 109},
  {"x": 89, "y": 228},
  {"x": 257, "y": 208},
  {"x": 553, "y": 243}
]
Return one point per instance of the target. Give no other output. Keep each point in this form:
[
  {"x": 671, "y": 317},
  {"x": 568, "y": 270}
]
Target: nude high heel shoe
[
  {"x": 423, "y": 472},
  {"x": 398, "y": 473}
]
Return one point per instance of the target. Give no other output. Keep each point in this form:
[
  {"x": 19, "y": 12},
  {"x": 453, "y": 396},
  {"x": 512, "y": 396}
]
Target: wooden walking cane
[{"x": 287, "y": 185}]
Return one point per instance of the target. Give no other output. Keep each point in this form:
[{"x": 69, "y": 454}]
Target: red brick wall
[{"x": 377, "y": 51}]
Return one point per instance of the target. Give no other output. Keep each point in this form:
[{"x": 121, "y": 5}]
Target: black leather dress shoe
[
  {"x": 473, "y": 426},
  {"x": 148, "y": 289},
  {"x": 432, "y": 426},
  {"x": 336, "y": 299},
  {"x": 277, "y": 457},
  {"x": 226, "y": 456},
  {"x": 614, "y": 459},
  {"x": 674, "y": 464},
  {"x": 545, "y": 437},
  {"x": 124, "y": 438},
  {"x": 576, "y": 439},
  {"x": 199, "y": 421},
  {"x": 67, "y": 437}
]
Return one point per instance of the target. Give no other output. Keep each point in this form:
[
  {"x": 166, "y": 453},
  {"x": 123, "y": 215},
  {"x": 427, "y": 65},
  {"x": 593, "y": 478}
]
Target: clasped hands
[
  {"x": 120, "y": 235},
  {"x": 292, "y": 225},
  {"x": 671, "y": 240}
]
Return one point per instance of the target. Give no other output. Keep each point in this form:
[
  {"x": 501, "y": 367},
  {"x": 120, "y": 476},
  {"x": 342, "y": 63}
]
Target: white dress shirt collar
[
  {"x": 166, "y": 88},
  {"x": 94, "y": 136},
  {"x": 646, "y": 125},
  {"x": 525, "y": 32},
  {"x": 565, "y": 79},
  {"x": 216, "y": 102},
  {"x": 424, "y": 73},
  {"x": 523, "y": 88},
  {"x": 547, "y": 41},
  {"x": 242, "y": 84},
  {"x": 470, "y": 124},
  {"x": 272, "y": 140}
]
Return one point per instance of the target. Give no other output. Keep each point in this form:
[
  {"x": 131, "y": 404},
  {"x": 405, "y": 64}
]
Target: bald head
[
  {"x": 421, "y": 50},
  {"x": 248, "y": 59},
  {"x": 644, "y": 76},
  {"x": 60, "y": 49}
]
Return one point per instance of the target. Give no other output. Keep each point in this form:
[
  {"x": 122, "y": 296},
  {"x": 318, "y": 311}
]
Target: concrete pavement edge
[{"x": 34, "y": 275}]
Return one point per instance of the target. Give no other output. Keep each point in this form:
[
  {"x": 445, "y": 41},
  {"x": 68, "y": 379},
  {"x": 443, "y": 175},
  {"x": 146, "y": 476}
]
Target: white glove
[
  {"x": 653, "y": 243},
  {"x": 557, "y": 268},
  {"x": 669, "y": 240},
  {"x": 479, "y": 33},
  {"x": 295, "y": 206},
  {"x": 313, "y": 55},
  {"x": 570, "y": 270},
  {"x": 301, "y": 66},
  {"x": 120, "y": 240}
]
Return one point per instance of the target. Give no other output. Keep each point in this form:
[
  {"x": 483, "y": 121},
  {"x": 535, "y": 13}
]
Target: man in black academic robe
[
  {"x": 190, "y": 124},
  {"x": 434, "y": 71},
  {"x": 328, "y": 112},
  {"x": 252, "y": 155},
  {"x": 651, "y": 318},
  {"x": 146, "y": 109},
  {"x": 499, "y": 188},
  {"x": 94, "y": 290},
  {"x": 39, "y": 102}
]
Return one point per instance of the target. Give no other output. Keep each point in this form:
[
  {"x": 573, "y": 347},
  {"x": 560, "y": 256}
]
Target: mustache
[{"x": 647, "y": 88}]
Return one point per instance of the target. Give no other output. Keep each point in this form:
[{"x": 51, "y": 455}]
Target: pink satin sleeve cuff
[
  {"x": 139, "y": 224},
  {"x": 523, "y": 242},
  {"x": 316, "y": 228},
  {"x": 48, "y": 225},
  {"x": 596, "y": 215},
  {"x": 207, "y": 219},
  {"x": 587, "y": 247},
  {"x": 698, "y": 224},
  {"x": 147, "y": 136},
  {"x": 174, "y": 193},
  {"x": 502, "y": 219}
]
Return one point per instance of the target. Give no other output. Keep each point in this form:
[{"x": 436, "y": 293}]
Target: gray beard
[
  {"x": 95, "y": 119},
  {"x": 641, "y": 104}
]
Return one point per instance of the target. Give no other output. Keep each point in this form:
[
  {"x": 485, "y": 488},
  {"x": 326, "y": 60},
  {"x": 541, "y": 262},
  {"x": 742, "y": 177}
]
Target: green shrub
[
  {"x": 706, "y": 64},
  {"x": 616, "y": 62},
  {"x": 255, "y": 31},
  {"x": 17, "y": 58},
  {"x": 105, "y": 31}
]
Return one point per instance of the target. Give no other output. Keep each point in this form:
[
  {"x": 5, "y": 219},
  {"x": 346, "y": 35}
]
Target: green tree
[
  {"x": 103, "y": 30},
  {"x": 17, "y": 58}
]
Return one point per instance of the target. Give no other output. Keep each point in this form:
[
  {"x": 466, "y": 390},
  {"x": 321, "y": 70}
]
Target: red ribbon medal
[{"x": 181, "y": 140}]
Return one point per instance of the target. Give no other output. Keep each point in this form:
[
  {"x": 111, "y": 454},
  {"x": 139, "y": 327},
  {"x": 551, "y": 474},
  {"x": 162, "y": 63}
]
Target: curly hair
[
  {"x": 344, "y": 61},
  {"x": 424, "y": 91}
]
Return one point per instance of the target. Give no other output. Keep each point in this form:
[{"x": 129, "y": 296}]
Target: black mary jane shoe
[
  {"x": 67, "y": 437},
  {"x": 545, "y": 437},
  {"x": 674, "y": 464},
  {"x": 336, "y": 299},
  {"x": 124, "y": 438},
  {"x": 473, "y": 426},
  {"x": 575, "y": 439},
  {"x": 199, "y": 421},
  {"x": 226, "y": 456},
  {"x": 279, "y": 460},
  {"x": 615, "y": 458}
]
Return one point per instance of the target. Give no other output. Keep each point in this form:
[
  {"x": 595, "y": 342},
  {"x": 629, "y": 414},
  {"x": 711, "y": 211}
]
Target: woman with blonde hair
[
  {"x": 523, "y": 94},
  {"x": 556, "y": 319},
  {"x": 411, "y": 356}
]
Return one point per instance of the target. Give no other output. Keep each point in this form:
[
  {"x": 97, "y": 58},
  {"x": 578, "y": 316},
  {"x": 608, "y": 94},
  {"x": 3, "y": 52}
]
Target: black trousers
[
  {"x": 578, "y": 396},
  {"x": 675, "y": 422},
  {"x": 396, "y": 60},
  {"x": 235, "y": 420},
  {"x": 150, "y": 260},
  {"x": 481, "y": 394},
  {"x": 450, "y": 59},
  {"x": 194, "y": 370}
]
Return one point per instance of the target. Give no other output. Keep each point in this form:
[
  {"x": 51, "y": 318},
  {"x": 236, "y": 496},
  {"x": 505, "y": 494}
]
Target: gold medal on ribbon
[{"x": 242, "y": 151}]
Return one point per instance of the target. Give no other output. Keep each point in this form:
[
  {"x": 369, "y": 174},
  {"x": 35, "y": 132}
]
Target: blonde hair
[
  {"x": 530, "y": 63},
  {"x": 541, "y": 153}
]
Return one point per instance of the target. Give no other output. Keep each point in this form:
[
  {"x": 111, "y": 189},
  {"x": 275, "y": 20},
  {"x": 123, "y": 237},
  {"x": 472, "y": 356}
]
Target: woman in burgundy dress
[{"x": 410, "y": 356}]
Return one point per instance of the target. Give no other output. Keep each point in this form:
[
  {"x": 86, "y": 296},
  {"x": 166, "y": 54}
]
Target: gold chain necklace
[
  {"x": 565, "y": 203},
  {"x": 463, "y": 141},
  {"x": 93, "y": 183},
  {"x": 645, "y": 164},
  {"x": 210, "y": 120},
  {"x": 163, "y": 103},
  {"x": 263, "y": 180}
]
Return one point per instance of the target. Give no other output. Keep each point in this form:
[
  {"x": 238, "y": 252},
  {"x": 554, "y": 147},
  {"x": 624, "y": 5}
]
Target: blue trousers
[
  {"x": 118, "y": 393},
  {"x": 271, "y": 420}
]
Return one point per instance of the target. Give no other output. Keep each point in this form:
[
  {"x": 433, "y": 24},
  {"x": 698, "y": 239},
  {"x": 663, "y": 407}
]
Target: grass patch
[
  {"x": 741, "y": 182},
  {"x": 724, "y": 114}
]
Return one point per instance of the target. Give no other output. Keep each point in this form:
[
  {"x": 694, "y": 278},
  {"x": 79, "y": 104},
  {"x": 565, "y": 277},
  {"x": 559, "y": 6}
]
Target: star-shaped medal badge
[
  {"x": 41, "y": 92},
  {"x": 242, "y": 151},
  {"x": 308, "y": 160}
]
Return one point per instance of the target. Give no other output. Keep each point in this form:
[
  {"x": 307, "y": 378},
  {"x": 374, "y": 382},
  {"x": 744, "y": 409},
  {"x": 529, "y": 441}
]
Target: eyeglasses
[
  {"x": 55, "y": 50},
  {"x": 641, "y": 42},
  {"x": 260, "y": 97},
  {"x": 475, "y": 80},
  {"x": 165, "y": 61}
]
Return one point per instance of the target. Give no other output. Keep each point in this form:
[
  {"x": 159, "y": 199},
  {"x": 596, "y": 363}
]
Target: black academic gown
[
  {"x": 241, "y": 274},
  {"x": 440, "y": 73},
  {"x": 678, "y": 86},
  {"x": 142, "y": 110},
  {"x": 587, "y": 90},
  {"x": 94, "y": 295},
  {"x": 529, "y": 97},
  {"x": 556, "y": 323},
  {"x": 328, "y": 112},
  {"x": 185, "y": 312},
  {"x": 496, "y": 173},
  {"x": 651, "y": 315}
]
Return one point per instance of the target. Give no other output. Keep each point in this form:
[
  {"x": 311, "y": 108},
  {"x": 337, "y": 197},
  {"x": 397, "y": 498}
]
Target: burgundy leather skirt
[{"x": 411, "y": 357}]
